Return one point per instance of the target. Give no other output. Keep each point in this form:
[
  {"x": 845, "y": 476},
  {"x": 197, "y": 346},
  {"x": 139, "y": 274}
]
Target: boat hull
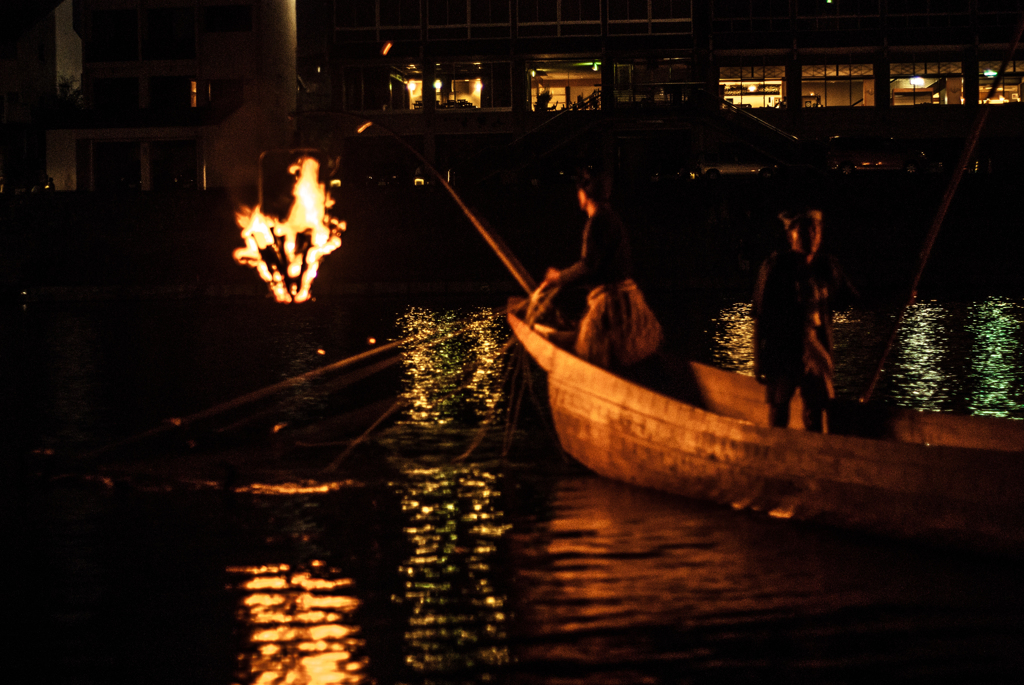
[{"x": 943, "y": 493}]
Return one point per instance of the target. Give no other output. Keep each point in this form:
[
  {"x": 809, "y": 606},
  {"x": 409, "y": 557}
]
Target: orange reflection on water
[
  {"x": 299, "y": 626},
  {"x": 300, "y": 488}
]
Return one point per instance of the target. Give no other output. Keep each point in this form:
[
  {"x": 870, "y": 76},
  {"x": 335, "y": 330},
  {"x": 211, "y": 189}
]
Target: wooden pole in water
[
  {"x": 170, "y": 424},
  {"x": 947, "y": 198}
]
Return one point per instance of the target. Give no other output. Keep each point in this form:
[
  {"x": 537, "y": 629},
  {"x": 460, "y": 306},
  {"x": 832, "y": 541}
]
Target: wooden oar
[{"x": 947, "y": 198}]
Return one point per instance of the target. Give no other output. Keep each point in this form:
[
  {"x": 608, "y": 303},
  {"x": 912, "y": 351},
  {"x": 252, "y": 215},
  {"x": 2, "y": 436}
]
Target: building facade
[
  {"x": 180, "y": 94},
  {"x": 38, "y": 52},
  {"x": 458, "y": 76}
]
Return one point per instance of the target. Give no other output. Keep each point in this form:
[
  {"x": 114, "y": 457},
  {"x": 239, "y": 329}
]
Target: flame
[{"x": 287, "y": 255}]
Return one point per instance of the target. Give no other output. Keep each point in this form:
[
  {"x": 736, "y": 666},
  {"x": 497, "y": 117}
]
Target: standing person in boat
[
  {"x": 618, "y": 329},
  {"x": 797, "y": 290}
]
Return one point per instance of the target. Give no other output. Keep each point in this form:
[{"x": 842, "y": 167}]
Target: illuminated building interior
[{"x": 561, "y": 85}]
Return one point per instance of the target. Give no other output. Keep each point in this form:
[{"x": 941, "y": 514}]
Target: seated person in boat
[
  {"x": 796, "y": 292},
  {"x": 618, "y": 329}
]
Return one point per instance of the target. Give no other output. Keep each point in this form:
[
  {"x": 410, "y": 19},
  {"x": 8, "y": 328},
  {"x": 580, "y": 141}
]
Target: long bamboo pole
[
  {"x": 940, "y": 215},
  {"x": 506, "y": 255},
  {"x": 185, "y": 421}
]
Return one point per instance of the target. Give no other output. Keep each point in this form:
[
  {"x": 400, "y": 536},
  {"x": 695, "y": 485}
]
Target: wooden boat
[{"x": 936, "y": 477}]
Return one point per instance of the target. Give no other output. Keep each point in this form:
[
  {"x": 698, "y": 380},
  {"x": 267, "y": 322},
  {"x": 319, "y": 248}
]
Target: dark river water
[{"x": 435, "y": 553}]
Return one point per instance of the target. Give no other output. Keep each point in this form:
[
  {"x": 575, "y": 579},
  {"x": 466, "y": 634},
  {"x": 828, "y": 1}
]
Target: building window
[
  {"x": 921, "y": 14},
  {"x": 565, "y": 85},
  {"x": 926, "y": 83},
  {"x": 486, "y": 85},
  {"x": 227, "y": 19},
  {"x": 631, "y": 17},
  {"x": 114, "y": 36},
  {"x": 456, "y": 86},
  {"x": 838, "y": 85},
  {"x": 579, "y": 10},
  {"x": 117, "y": 166},
  {"x": 652, "y": 83},
  {"x": 383, "y": 87},
  {"x": 840, "y": 15},
  {"x": 744, "y": 16},
  {"x": 753, "y": 86},
  {"x": 172, "y": 92},
  {"x": 537, "y": 11},
  {"x": 489, "y": 11},
  {"x": 172, "y": 165},
  {"x": 559, "y": 17},
  {"x": 446, "y": 12},
  {"x": 115, "y": 94},
  {"x": 356, "y": 14},
  {"x": 1009, "y": 88},
  {"x": 170, "y": 34},
  {"x": 398, "y": 13}
]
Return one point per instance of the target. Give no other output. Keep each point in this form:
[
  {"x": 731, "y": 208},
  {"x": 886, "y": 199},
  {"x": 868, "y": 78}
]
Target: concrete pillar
[
  {"x": 429, "y": 109},
  {"x": 972, "y": 79},
  {"x": 607, "y": 83},
  {"x": 794, "y": 85},
  {"x": 882, "y": 77}
]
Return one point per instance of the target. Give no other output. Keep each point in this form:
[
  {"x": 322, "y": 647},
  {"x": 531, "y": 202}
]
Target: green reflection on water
[
  {"x": 948, "y": 356},
  {"x": 996, "y": 360},
  {"x": 923, "y": 367}
]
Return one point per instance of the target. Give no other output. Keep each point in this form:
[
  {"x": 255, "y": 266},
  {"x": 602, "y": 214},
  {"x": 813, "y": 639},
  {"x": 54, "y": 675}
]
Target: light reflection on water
[
  {"x": 948, "y": 356},
  {"x": 590, "y": 582},
  {"x": 435, "y": 384},
  {"x": 997, "y": 356},
  {"x": 299, "y": 625},
  {"x": 733, "y": 339},
  {"x": 456, "y": 613}
]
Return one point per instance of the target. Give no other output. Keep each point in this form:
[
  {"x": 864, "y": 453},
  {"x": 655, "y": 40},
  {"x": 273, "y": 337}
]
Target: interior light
[
  {"x": 437, "y": 84},
  {"x": 752, "y": 89},
  {"x": 990, "y": 73},
  {"x": 478, "y": 86},
  {"x": 916, "y": 81},
  {"x": 533, "y": 73},
  {"x": 597, "y": 65},
  {"x": 412, "y": 86},
  {"x": 386, "y": 48}
]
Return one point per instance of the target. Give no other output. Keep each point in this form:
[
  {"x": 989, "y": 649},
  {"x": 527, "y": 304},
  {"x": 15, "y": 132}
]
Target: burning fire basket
[{"x": 290, "y": 229}]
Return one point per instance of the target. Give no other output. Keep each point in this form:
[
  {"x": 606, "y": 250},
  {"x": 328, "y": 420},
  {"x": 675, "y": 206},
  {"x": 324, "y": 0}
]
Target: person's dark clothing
[
  {"x": 606, "y": 257},
  {"x": 618, "y": 329},
  {"x": 793, "y": 304}
]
